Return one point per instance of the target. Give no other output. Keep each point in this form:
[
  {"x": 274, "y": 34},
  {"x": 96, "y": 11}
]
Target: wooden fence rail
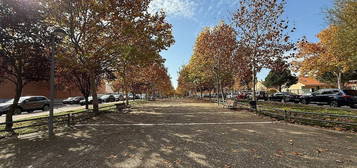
[
  {"x": 67, "y": 119},
  {"x": 310, "y": 118}
]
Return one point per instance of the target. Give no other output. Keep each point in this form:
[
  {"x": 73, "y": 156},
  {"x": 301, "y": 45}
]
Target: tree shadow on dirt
[{"x": 96, "y": 143}]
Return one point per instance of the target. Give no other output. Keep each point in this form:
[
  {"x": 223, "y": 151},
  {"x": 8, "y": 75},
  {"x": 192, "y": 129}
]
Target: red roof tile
[{"x": 307, "y": 81}]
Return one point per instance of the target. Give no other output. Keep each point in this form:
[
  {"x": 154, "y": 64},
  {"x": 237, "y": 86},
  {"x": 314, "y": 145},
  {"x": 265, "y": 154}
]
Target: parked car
[
  {"x": 27, "y": 103},
  {"x": 77, "y": 99},
  {"x": 260, "y": 95},
  {"x": 107, "y": 98},
  {"x": 73, "y": 100},
  {"x": 68, "y": 100},
  {"x": 137, "y": 97},
  {"x": 332, "y": 97},
  {"x": 231, "y": 95},
  {"x": 90, "y": 101},
  {"x": 118, "y": 97},
  {"x": 243, "y": 95},
  {"x": 285, "y": 97}
]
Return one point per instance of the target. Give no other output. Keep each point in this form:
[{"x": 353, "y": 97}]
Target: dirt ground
[{"x": 182, "y": 133}]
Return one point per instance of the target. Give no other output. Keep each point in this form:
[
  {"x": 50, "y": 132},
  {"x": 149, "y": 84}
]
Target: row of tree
[
  {"x": 111, "y": 40},
  {"x": 259, "y": 38},
  {"x": 226, "y": 54}
]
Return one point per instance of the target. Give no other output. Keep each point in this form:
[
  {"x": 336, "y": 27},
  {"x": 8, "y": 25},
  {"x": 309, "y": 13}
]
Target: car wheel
[
  {"x": 30, "y": 111},
  {"x": 45, "y": 108},
  {"x": 304, "y": 101},
  {"x": 334, "y": 103},
  {"x": 353, "y": 106},
  {"x": 18, "y": 110}
]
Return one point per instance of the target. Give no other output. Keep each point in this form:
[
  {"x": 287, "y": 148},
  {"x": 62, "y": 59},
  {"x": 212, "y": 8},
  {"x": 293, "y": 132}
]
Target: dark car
[
  {"x": 73, "y": 100},
  {"x": 90, "y": 101},
  {"x": 261, "y": 95},
  {"x": 68, "y": 100},
  {"x": 285, "y": 97},
  {"x": 107, "y": 98},
  {"x": 27, "y": 103},
  {"x": 77, "y": 99},
  {"x": 332, "y": 97}
]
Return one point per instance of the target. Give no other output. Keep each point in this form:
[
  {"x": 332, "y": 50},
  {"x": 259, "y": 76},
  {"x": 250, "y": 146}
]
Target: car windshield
[
  {"x": 288, "y": 93},
  {"x": 351, "y": 92},
  {"x": 20, "y": 101},
  {"x": 105, "y": 96}
]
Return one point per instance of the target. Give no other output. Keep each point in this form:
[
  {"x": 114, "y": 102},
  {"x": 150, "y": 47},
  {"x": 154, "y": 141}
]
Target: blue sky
[{"x": 189, "y": 17}]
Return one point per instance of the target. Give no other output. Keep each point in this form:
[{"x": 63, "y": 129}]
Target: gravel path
[{"x": 180, "y": 133}]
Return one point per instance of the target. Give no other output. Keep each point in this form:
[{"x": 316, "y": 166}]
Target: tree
[
  {"x": 329, "y": 77},
  {"x": 343, "y": 16},
  {"x": 211, "y": 63},
  {"x": 242, "y": 69},
  {"x": 185, "y": 84},
  {"x": 102, "y": 34},
  {"x": 74, "y": 78},
  {"x": 261, "y": 28},
  {"x": 277, "y": 79},
  {"x": 323, "y": 57},
  {"x": 141, "y": 37},
  {"x": 152, "y": 79},
  {"x": 88, "y": 41},
  {"x": 280, "y": 75},
  {"x": 222, "y": 46},
  {"x": 23, "y": 50}
]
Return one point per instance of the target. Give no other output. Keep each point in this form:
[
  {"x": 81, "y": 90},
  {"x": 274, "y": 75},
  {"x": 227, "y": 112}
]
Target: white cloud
[{"x": 179, "y": 8}]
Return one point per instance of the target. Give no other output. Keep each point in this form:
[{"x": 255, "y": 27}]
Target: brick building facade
[{"x": 7, "y": 90}]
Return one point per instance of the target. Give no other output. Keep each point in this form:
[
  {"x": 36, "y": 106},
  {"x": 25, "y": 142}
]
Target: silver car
[{"x": 26, "y": 103}]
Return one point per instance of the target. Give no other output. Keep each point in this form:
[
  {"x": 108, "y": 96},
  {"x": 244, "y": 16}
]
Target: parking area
[{"x": 183, "y": 133}]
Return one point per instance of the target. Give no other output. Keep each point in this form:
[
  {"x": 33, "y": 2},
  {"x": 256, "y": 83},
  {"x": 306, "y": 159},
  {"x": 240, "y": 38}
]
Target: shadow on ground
[{"x": 103, "y": 142}]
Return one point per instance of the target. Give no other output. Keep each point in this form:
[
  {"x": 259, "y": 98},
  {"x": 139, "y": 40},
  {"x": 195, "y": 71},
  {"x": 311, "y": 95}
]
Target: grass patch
[
  {"x": 276, "y": 110},
  {"x": 305, "y": 108}
]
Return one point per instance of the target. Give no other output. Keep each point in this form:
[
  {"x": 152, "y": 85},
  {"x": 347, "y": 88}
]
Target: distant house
[
  {"x": 352, "y": 84},
  {"x": 307, "y": 85},
  {"x": 259, "y": 86}
]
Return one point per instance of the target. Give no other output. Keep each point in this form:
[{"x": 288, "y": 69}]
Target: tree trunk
[
  {"x": 86, "y": 100},
  {"x": 201, "y": 90},
  {"x": 254, "y": 83},
  {"x": 254, "y": 99},
  {"x": 339, "y": 76},
  {"x": 279, "y": 87},
  {"x": 94, "y": 93},
  {"x": 126, "y": 92},
  {"x": 221, "y": 89},
  {"x": 217, "y": 91},
  {"x": 11, "y": 111}
]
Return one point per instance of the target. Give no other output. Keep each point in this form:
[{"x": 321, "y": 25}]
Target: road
[{"x": 183, "y": 133}]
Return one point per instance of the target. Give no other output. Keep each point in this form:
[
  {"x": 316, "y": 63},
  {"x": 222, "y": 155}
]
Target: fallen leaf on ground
[
  {"x": 339, "y": 161},
  {"x": 297, "y": 153}
]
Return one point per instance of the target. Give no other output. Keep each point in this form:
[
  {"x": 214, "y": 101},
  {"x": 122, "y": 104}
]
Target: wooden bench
[
  {"x": 120, "y": 107},
  {"x": 231, "y": 104}
]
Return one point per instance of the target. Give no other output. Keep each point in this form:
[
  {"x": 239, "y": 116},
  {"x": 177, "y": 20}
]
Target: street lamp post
[{"x": 57, "y": 32}]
